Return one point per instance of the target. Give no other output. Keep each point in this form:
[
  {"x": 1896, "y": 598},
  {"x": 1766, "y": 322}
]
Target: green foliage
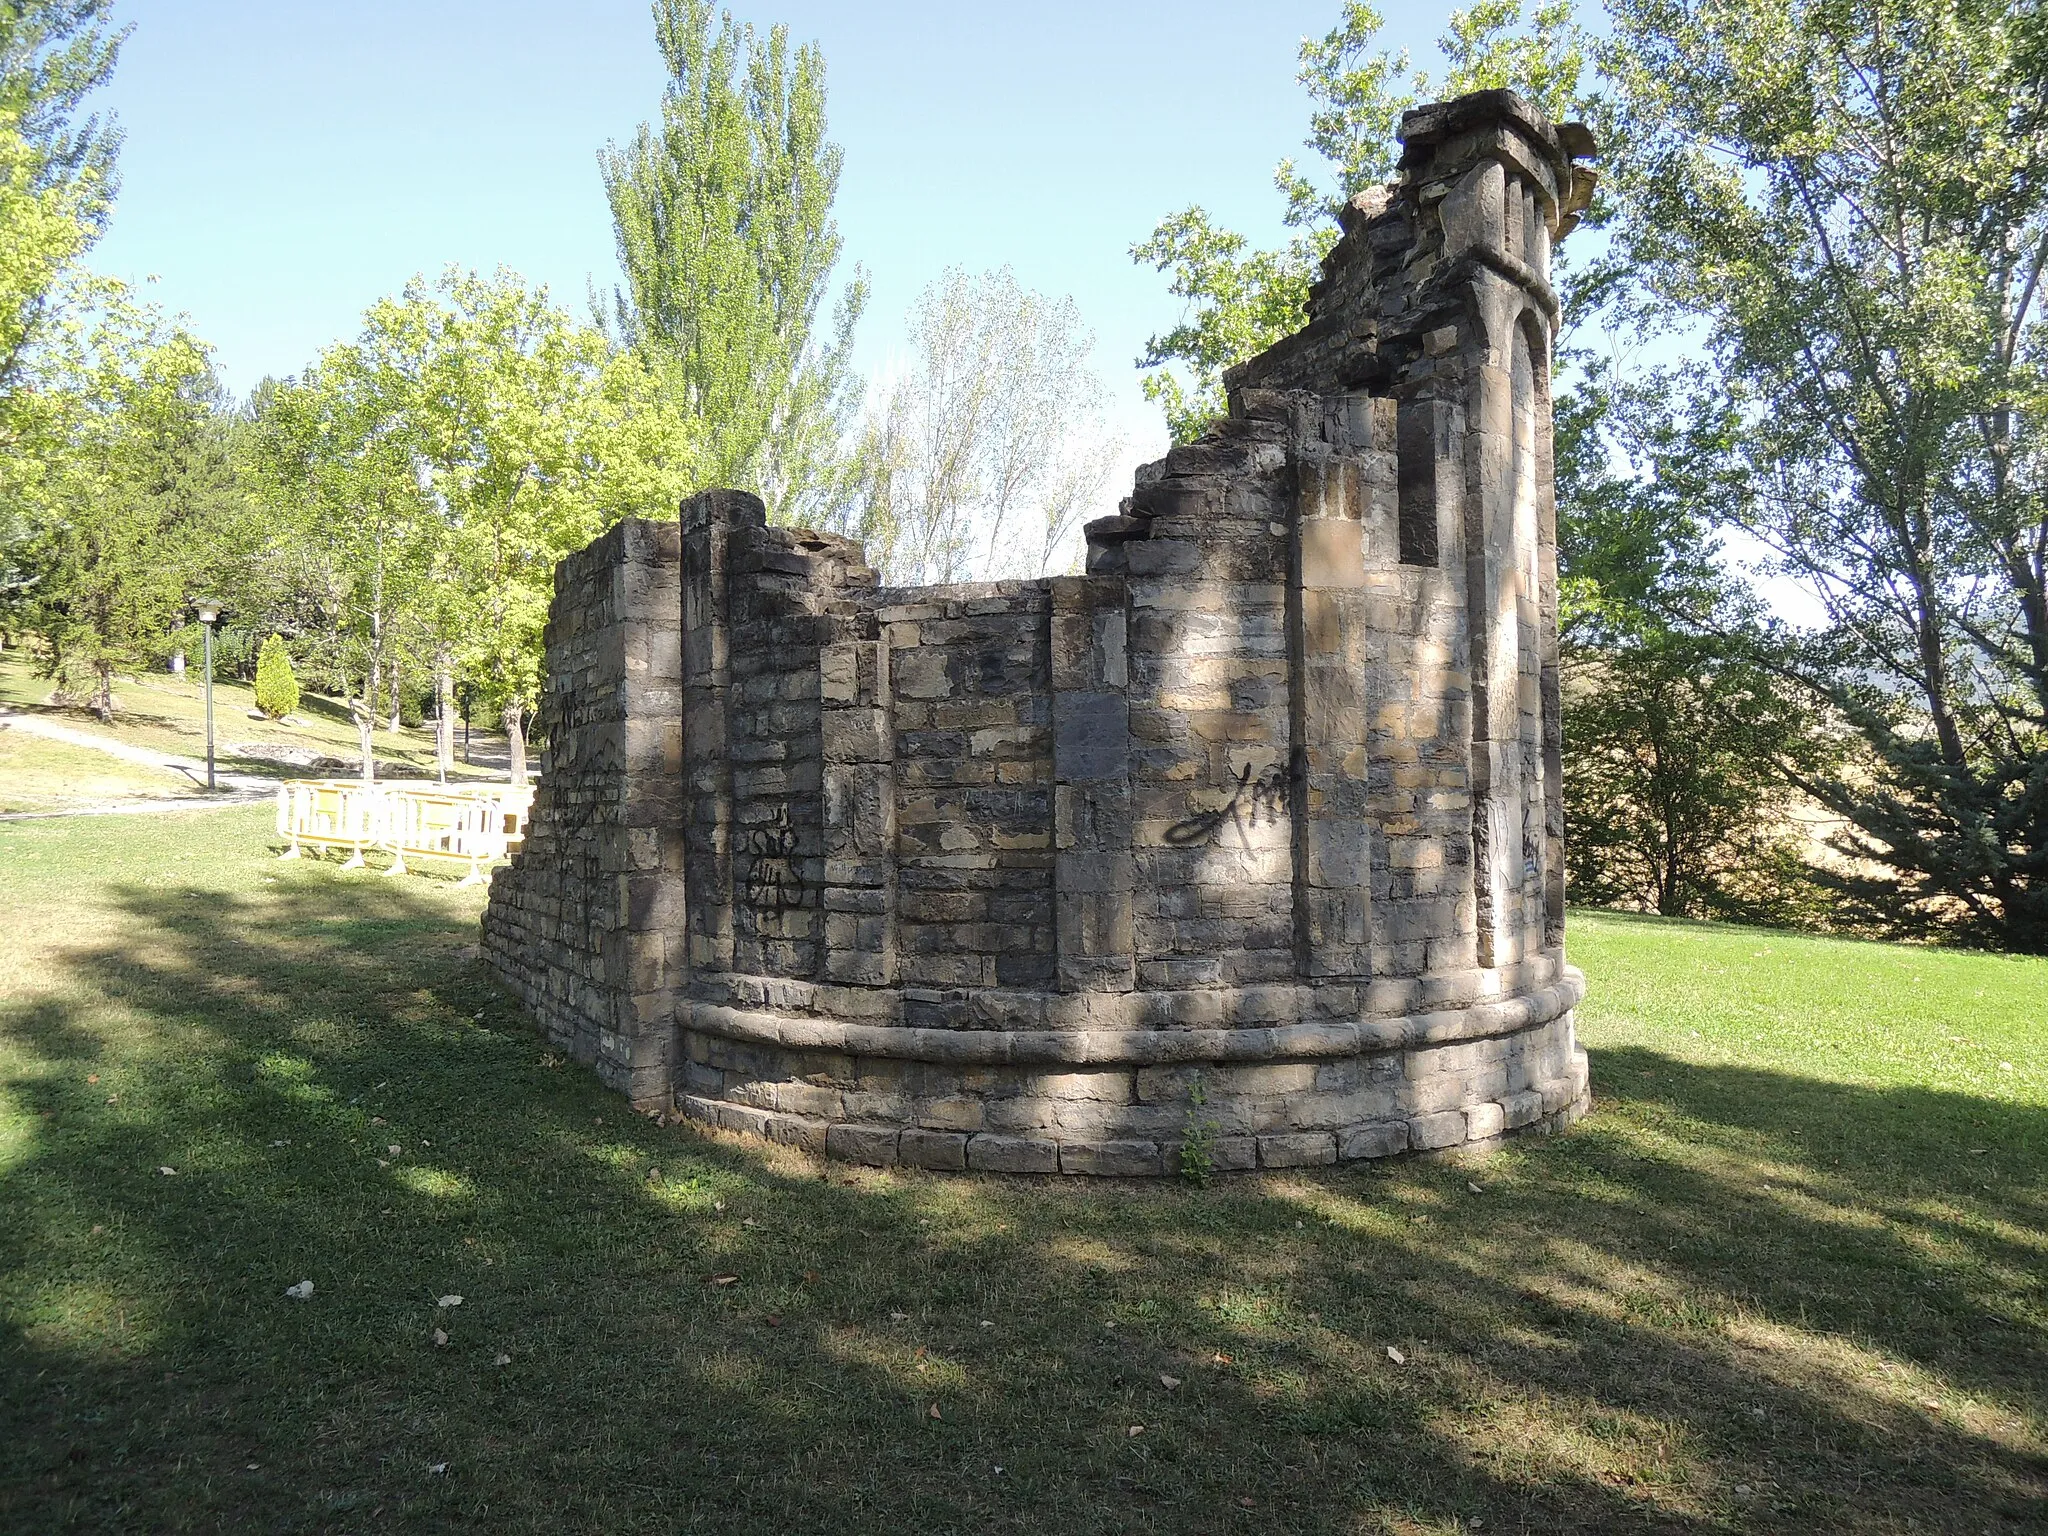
[
  {"x": 723, "y": 217},
  {"x": 277, "y": 686},
  {"x": 1241, "y": 299},
  {"x": 1850, "y": 206},
  {"x": 426, "y": 478},
  {"x": 129, "y": 479},
  {"x": 56, "y": 173},
  {"x": 1197, "y": 1139},
  {"x": 1680, "y": 737},
  {"x": 1673, "y": 792}
]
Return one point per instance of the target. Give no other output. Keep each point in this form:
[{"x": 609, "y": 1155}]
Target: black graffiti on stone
[
  {"x": 772, "y": 881},
  {"x": 1253, "y": 801}
]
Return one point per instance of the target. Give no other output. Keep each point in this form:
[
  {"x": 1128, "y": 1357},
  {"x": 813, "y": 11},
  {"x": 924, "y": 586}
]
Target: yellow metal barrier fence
[{"x": 479, "y": 823}]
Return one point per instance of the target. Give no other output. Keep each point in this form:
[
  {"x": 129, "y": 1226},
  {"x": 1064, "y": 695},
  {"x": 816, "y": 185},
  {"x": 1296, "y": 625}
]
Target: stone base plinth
[{"x": 1122, "y": 1103}]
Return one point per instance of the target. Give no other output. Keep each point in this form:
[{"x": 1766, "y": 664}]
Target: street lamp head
[{"x": 207, "y": 611}]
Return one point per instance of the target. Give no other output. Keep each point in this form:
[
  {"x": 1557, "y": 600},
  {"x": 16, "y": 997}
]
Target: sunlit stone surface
[{"x": 1267, "y": 801}]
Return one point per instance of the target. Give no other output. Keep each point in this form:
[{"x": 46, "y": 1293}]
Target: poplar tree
[
  {"x": 57, "y": 178},
  {"x": 723, "y": 215}
]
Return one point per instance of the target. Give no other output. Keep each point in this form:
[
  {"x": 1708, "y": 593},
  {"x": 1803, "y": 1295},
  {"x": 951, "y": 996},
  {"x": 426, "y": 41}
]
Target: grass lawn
[
  {"x": 1791, "y": 1275},
  {"x": 41, "y": 775},
  {"x": 169, "y": 714}
]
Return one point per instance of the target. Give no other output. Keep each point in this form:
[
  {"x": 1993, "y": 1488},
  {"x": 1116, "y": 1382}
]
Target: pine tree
[{"x": 277, "y": 687}]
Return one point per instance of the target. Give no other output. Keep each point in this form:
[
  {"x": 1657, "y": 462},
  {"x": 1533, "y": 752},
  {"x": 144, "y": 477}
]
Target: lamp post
[{"x": 208, "y": 613}]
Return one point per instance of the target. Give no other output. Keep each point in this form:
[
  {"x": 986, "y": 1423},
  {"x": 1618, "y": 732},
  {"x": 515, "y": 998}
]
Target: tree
[
  {"x": 130, "y": 472},
  {"x": 1678, "y": 742},
  {"x": 277, "y": 686},
  {"x": 982, "y": 454},
  {"x": 723, "y": 216},
  {"x": 57, "y": 178},
  {"x": 515, "y": 441},
  {"x": 1241, "y": 299},
  {"x": 353, "y": 534},
  {"x": 1849, "y": 207},
  {"x": 427, "y": 476}
]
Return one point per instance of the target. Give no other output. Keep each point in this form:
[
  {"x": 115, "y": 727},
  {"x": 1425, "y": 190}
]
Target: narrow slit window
[{"x": 1416, "y": 450}]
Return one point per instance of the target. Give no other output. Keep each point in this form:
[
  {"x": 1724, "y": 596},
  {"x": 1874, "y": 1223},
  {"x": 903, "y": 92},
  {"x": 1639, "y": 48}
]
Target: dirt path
[{"x": 243, "y": 787}]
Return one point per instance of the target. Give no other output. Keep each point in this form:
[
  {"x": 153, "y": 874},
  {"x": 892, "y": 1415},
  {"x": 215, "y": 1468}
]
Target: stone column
[
  {"x": 1327, "y": 644},
  {"x": 859, "y": 785},
  {"x": 1094, "y": 872},
  {"x": 708, "y": 521}
]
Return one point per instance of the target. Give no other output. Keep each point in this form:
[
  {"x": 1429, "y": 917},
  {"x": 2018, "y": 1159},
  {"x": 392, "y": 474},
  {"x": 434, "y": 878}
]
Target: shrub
[{"x": 277, "y": 688}]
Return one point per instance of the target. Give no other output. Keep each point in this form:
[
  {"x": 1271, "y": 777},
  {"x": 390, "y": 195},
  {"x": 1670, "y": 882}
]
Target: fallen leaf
[
  {"x": 899, "y": 1317},
  {"x": 440, "y": 1339},
  {"x": 718, "y": 1205},
  {"x": 438, "y": 1468},
  {"x": 96, "y": 1230},
  {"x": 502, "y": 1360},
  {"x": 933, "y": 1411},
  {"x": 377, "y": 1120},
  {"x": 810, "y": 1277},
  {"x": 654, "y": 1175},
  {"x": 393, "y": 1149},
  {"x": 92, "y": 1077},
  {"x": 1134, "y": 1431},
  {"x": 1219, "y": 1359},
  {"x": 725, "y": 1280},
  {"x": 303, "y": 1291},
  {"x": 986, "y": 1323},
  {"x": 1169, "y": 1382},
  {"x": 1246, "y": 1504},
  {"x": 449, "y": 1301},
  {"x": 1475, "y": 1188},
  {"x": 168, "y": 1172},
  {"x": 748, "y": 1221},
  {"x": 1396, "y": 1356},
  {"x": 773, "y": 1319}
]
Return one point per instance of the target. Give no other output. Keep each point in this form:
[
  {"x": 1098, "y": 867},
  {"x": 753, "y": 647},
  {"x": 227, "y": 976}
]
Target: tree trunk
[
  {"x": 444, "y": 718},
  {"x": 397, "y": 699},
  {"x": 103, "y": 693},
  {"x": 515, "y": 738},
  {"x": 366, "y": 723}
]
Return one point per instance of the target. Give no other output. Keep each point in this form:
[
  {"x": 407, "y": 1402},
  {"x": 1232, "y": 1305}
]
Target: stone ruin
[{"x": 1253, "y": 833}]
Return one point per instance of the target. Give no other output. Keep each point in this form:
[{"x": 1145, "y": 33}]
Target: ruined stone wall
[
  {"x": 585, "y": 927},
  {"x": 1266, "y": 800}
]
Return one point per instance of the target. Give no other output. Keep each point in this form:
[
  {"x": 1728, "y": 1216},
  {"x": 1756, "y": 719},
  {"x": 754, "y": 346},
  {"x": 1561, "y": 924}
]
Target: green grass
[
  {"x": 1789, "y": 1276},
  {"x": 168, "y": 714}
]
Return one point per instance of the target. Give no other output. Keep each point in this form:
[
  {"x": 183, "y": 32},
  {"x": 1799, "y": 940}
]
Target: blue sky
[{"x": 288, "y": 163}]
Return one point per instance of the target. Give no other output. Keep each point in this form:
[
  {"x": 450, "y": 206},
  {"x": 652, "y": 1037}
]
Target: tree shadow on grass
[{"x": 1623, "y": 1328}]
